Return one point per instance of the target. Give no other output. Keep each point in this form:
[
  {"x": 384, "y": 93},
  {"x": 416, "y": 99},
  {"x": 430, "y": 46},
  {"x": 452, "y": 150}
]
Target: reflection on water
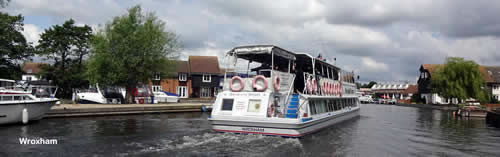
[{"x": 381, "y": 130}]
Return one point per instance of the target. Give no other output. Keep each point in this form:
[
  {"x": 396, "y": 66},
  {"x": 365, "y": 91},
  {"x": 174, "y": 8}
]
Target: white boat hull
[
  {"x": 13, "y": 113},
  {"x": 282, "y": 129}
]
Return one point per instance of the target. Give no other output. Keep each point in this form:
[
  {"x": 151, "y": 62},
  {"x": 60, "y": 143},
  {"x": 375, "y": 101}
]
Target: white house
[
  {"x": 494, "y": 84},
  {"x": 490, "y": 74},
  {"x": 31, "y": 71}
]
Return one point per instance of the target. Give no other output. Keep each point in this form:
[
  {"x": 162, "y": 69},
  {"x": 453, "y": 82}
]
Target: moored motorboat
[
  {"x": 18, "y": 104},
  {"x": 289, "y": 95}
]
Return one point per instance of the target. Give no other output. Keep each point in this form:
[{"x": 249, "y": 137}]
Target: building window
[
  {"x": 182, "y": 77},
  {"x": 206, "y": 78},
  {"x": 182, "y": 91},
  {"x": 156, "y": 88},
  {"x": 205, "y": 92},
  {"x": 28, "y": 78},
  {"x": 156, "y": 76}
]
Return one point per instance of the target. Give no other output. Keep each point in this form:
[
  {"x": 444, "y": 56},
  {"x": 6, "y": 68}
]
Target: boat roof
[
  {"x": 261, "y": 53},
  {"x": 7, "y": 80},
  {"x": 306, "y": 59}
]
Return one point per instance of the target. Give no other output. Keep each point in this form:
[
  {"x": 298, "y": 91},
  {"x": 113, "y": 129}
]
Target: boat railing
[
  {"x": 16, "y": 88},
  {"x": 290, "y": 90}
]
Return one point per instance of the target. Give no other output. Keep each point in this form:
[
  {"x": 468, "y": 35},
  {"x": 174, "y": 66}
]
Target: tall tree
[
  {"x": 460, "y": 79},
  {"x": 13, "y": 46},
  {"x": 130, "y": 49},
  {"x": 369, "y": 85},
  {"x": 66, "y": 45}
]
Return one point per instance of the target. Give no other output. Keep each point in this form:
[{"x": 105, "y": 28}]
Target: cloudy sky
[{"x": 380, "y": 39}]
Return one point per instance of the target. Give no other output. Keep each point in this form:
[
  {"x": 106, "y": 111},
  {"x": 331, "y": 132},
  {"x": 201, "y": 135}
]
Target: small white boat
[
  {"x": 279, "y": 98},
  {"x": 162, "y": 97},
  {"x": 18, "y": 104},
  {"x": 96, "y": 95}
]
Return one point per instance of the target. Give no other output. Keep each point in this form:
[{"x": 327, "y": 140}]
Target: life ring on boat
[
  {"x": 324, "y": 87},
  {"x": 314, "y": 85},
  {"x": 254, "y": 83},
  {"x": 233, "y": 87},
  {"x": 276, "y": 83},
  {"x": 134, "y": 92},
  {"x": 308, "y": 85},
  {"x": 335, "y": 89},
  {"x": 270, "y": 110},
  {"x": 330, "y": 88}
]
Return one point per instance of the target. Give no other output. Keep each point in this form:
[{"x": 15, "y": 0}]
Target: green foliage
[
  {"x": 66, "y": 45},
  {"x": 459, "y": 79},
  {"x": 417, "y": 98},
  {"x": 369, "y": 85},
  {"x": 13, "y": 46},
  {"x": 130, "y": 48}
]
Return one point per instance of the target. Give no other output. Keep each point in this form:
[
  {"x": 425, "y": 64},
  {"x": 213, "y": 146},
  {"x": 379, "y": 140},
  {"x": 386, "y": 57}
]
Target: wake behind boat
[
  {"x": 19, "y": 104},
  {"x": 289, "y": 94}
]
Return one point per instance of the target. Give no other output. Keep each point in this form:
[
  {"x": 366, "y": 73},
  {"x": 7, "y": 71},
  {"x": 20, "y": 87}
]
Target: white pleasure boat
[
  {"x": 290, "y": 94},
  {"x": 18, "y": 104}
]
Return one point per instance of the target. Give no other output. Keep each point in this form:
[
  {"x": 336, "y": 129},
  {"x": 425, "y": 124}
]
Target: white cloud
[
  {"x": 382, "y": 39},
  {"x": 32, "y": 33},
  {"x": 370, "y": 65}
]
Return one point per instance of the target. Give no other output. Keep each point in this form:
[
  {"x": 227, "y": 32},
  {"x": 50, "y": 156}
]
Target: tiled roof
[
  {"x": 204, "y": 64},
  {"x": 411, "y": 89},
  {"x": 494, "y": 73},
  {"x": 183, "y": 66},
  {"x": 32, "y": 68},
  {"x": 433, "y": 67}
]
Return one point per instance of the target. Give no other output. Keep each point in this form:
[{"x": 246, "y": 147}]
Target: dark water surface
[{"x": 381, "y": 130}]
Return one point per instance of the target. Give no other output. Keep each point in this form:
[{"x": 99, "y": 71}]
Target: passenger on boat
[
  {"x": 298, "y": 83},
  {"x": 263, "y": 67}
]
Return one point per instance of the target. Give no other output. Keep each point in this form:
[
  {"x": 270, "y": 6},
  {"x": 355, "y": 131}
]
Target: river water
[{"x": 381, "y": 130}]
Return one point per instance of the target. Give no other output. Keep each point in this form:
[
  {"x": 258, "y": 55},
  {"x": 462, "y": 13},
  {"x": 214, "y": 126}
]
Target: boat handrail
[{"x": 288, "y": 94}]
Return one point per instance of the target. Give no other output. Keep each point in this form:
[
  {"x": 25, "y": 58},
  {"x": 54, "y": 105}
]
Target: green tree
[
  {"x": 369, "y": 85},
  {"x": 129, "y": 49},
  {"x": 13, "y": 46},
  {"x": 460, "y": 79},
  {"x": 66, "y": 45}
]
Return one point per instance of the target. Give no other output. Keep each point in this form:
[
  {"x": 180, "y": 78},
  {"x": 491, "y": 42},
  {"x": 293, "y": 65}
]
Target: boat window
[
  {"x": 313, "y": 107},
  {"x": 6, "y": 98},
  {"x": 330, "y": 105},
  {"x": 27, "y": 98},
  {"x": 227, "y": 104},
  {"x": 17, "y": 97},
  {"x": 253, "y": 105}
]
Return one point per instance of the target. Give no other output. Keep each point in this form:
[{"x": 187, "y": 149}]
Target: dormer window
[
  {"x": 182, "y": 77},
  {"x": 206, "y": 78},
  {"x": 156, "y": 76}
]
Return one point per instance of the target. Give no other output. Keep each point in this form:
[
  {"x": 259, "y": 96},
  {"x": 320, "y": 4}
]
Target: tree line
[{"x": 125, "y": 52}]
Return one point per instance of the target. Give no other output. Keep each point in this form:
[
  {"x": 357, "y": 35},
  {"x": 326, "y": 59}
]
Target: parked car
[{"x": 392, "y": 101}]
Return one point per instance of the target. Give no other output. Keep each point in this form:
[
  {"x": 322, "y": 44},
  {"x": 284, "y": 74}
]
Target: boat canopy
[
  {"x": 306, "y": 60},
  {"x": 262, "y": 53}
]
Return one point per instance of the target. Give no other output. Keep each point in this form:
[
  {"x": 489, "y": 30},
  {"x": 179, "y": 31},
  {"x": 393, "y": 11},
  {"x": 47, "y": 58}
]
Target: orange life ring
[
  {"x": 330, "y": 88},
  {"x": 141, "y": 101},
  {"x": 254, "y": 84},
  {"x": 314, "y": 85},
  {"x": 324, "y": 87},
  {"x": 276, "y": 83},
  {"x": 335, "y": 89},
  {"x": 308, "y": 85},
  {"x": 231, "y": 84}
]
